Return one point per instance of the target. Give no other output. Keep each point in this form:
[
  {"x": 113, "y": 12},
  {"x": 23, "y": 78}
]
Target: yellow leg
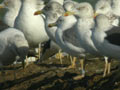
[
  {"x": 73, "y": 63},
  {"x": 68, "y": 56},
  {"x": 82, "y": 64},
  {"x": 39, "y": 50},
  {"x": 109, "y": 65},
  {"x": 83, "y": 72},
  {"x": 71, "y": 59},
  {"x": 60, "y": 57},
  {"x": 106, "y": 66},
  {"x": 25, "y": 63}
]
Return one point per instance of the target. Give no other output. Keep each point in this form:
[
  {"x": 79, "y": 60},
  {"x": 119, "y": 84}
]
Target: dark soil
[{"x": 48, "y": 75}]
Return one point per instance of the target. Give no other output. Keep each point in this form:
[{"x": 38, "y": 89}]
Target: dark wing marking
[
  {"x": 3, "y": 26},
  {"x": 47, "y": 51},
  {"x": 113, "y": 36}
]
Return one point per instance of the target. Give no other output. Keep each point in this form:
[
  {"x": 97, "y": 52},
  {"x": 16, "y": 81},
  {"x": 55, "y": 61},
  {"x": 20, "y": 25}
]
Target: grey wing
[
  {"x": 70, "y": 36},
  {"x": 3, "y": 26},
  {"x": 2, "y": 46},
  {"x": 113, "y": 36}
]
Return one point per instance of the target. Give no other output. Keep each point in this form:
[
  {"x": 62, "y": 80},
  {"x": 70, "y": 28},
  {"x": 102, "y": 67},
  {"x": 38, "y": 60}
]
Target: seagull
[
  {"x": 116, "y": 7},
  {"x": 12, "y": 8},
  {"x": 53, "y": 10},
  {"x": 32, "y": 26},
  {"x": 106, "y": 37},
  {"x": 107, "y": 8},
  {"x": 63, "y": 37},
  {"x": 12, "y": 45},
  {"x": 84, "y": 25},
  {"x": 66, "y": 37}
]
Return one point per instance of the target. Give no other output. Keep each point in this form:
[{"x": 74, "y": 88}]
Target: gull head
[
  {"x": 69, "y": 6},
  {"x": 51, "y": 7},
  {"x": 102, "y": 22},
  {"x": 102, "y": 7},
  {"x": 64, "y": 22},
  {"x": 9, "y": 4},
  {"x": 84, "y": 10}
]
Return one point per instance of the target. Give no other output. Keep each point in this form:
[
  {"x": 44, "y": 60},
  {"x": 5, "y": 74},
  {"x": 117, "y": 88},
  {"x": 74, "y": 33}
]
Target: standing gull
[
  {"x": 84, "y": 23},
  {"x": 66, "y": 38},
  {"x": 53, "y": 10},
  {"x": 32, "y": 26},
  {"x": 12, "y": 44},
  {"x": 110, "y": 8},
  {"x": 106, "y": 37},
  {"x": 84, "y": 26}
]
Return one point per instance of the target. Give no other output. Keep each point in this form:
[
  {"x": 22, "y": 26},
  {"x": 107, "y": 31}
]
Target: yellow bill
[
  {"x": 38, "y": 12},
  {"x": 95, "y": 15},
  {"x": 52, "y": 24},
  {"x": 68, "y": 13}
]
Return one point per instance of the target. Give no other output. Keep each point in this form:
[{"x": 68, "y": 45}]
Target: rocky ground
[{"x": 49, "y": 75}]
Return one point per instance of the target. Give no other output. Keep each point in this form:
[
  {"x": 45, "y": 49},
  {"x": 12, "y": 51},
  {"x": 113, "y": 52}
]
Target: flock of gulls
[{"x": 78, "y": 29}]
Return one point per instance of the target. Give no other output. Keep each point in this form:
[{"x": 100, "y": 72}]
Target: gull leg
[
  {"x": 109, "y": 65},
  {"x": 71, "y": 59},
  {"x": 106, "y": 66},
  {"x": 67, "y": 56},
  {"x": 25, "y": 62},
  {"x": 73, "y": 62},
  {"x": 60, "y": 57},
  {"x": 82, "y": 67},
  {"x": 83, "y": 71},
  {"x": 39, "y": 50}
]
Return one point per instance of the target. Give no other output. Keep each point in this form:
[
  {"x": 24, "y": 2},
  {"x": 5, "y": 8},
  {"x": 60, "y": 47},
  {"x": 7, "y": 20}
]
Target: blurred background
[{"x": 90, "y": 1}]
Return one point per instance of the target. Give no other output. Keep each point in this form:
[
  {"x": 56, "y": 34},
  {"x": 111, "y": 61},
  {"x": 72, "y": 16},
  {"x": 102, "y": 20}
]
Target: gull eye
[
  {"x": 59, "y": 21},
  {"x": 102, "y": 7},
  {"x": 47, "y": 8}
]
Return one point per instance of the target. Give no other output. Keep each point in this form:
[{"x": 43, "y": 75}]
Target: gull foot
[{"x": 79, "y": 77}]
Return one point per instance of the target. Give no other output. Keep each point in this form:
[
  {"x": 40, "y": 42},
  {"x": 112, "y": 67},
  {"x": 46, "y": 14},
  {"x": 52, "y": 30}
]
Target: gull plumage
[
  {"x": 53, "y": 10},
  {"x": 12, "y": 45},
  {"x": 106, "y": 37},
  {"x": 12, "y": 10},
  {"x": 110, "y": 9},
  {"x": 32, "y": 26},
  {"x": 66, "y": 36}
]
